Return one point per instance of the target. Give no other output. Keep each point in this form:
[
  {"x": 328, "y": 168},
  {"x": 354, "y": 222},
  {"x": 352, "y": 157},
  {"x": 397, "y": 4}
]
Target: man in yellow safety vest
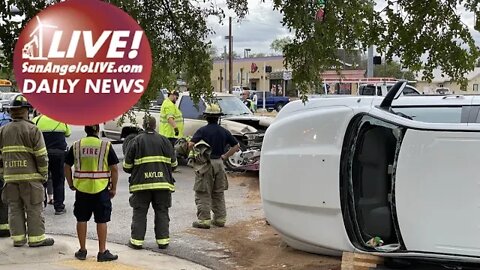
[
  {"x": 171, "y": 118},
  {"x": 95, "y": 181}
]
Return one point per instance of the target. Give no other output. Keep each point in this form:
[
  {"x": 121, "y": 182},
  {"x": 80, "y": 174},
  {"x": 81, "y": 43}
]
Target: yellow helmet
[
  {"x": 213, "y": 109},
  {"x": 173, "y": 92}
]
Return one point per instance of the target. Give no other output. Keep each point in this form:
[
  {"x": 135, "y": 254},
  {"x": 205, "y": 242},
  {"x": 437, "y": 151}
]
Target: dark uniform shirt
[
  {"x": 112, "y": 158},
  {"x": 217, "y": 137}
]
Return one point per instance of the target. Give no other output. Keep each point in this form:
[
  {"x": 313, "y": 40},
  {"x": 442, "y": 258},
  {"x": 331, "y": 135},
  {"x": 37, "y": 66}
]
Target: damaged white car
[{"x": 394, "y": 176}]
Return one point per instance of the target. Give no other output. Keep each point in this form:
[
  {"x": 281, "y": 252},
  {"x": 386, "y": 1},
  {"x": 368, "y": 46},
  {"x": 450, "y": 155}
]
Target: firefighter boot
[
  {"x": 219, "y": 223},
  {"x": 45, "y": 243},
  {"x": 202, "y": 224}
]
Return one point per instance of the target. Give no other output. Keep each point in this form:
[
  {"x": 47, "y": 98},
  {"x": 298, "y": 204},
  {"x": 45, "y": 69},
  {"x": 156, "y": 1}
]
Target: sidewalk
[{"x": 60, "y": 256}]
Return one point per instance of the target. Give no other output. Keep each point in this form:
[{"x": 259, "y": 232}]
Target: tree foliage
[
  {"x": 279, "y": 44},
  {"x": 178, "y": 33},
  {"x": 407, "y": 29},
  {"x": 392, "y": 70}
]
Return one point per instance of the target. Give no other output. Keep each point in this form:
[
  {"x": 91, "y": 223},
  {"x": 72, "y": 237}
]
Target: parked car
[
  {"x": 237, "y": 91},
  {"x": 400, "y": 168},
  {"x": 272, "y": 102},
  {"x": 5, "y": 98},
  {"x": 381, "y": 89},
  {"x": 239, "y": 120}
]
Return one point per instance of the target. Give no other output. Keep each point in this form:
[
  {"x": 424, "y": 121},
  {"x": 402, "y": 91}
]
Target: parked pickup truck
[
  {"x": 271, "y": 102},
  {"x": 247, "y": 128},
  {"x": 381, "y": 89}
]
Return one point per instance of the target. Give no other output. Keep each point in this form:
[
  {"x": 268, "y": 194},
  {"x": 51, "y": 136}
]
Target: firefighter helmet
[
  {"x": 18, "y": 101},
  {"x": 213, "y": 110},
  {"x": 173, "y": 92}
]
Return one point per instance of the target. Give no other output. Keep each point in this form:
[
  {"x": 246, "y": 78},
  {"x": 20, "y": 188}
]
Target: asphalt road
[{"x": 182, "y": 214}]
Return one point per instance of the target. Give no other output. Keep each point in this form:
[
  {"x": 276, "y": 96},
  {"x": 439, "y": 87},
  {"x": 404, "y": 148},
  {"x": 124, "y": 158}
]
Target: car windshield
[{"x": 233, "y": 106}]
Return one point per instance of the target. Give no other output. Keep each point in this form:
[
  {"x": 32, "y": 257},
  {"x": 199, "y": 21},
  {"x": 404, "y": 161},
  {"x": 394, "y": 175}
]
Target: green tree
[
  {"x": 178, "y": 33},
  {"x": 257, "y": 55},
  {"x": 234, "y": 54},
  {"x": 406, "y": 29},
  {"x": 394, "y": 70},
  {"x": 279, "y": 44}
]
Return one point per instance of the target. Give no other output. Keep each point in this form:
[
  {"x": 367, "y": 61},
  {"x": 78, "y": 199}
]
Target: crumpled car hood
[
  {"x": 263, "y": 121},
  {"x": 237, "y": 128}
]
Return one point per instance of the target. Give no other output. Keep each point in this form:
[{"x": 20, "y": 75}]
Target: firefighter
[
  {"x": 171, "y": 119},
  {"x": 54, "y": 133},
  {"x": 4, "y": 228},
  {"x": 25, "y": 169},
  {"x": 211, "y": 179},
  {"x": 95, "y": 182},
  {"x": 150, "y": 158}
]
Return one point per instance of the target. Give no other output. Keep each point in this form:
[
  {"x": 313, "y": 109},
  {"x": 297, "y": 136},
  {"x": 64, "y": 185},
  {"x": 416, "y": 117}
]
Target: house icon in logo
[{"x": 34, "y": 48}]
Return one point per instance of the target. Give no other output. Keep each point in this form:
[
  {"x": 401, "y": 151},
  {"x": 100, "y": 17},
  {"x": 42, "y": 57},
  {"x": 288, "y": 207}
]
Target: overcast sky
[
  {"x": 256, "y": 31},
  {"x": 262, "y": 25}
]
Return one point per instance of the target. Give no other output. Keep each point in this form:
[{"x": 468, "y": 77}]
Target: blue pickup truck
[{"x": 271, "y": 102}]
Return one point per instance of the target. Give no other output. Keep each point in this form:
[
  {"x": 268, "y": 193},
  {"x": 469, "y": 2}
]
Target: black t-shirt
[
  {"x": 112, "y": 158},
  {"x": 217, "y": 137}
]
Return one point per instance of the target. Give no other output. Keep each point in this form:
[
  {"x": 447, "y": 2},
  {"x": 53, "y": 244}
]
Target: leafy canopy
[{"x": 178, "y": 34}]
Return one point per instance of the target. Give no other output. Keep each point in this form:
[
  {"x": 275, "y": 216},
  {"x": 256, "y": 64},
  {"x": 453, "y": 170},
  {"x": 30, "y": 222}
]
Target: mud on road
[{"x": 253, "y": 244}]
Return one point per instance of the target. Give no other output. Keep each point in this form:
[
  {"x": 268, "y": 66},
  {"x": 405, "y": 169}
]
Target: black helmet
[{"x": 18, "y": 101}]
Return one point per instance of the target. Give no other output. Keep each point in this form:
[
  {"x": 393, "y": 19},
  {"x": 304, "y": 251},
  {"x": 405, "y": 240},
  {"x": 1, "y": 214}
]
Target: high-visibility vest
[
  {"x": 92, "y": 172},
  {"x": 169, "y": 109},
  {"x": 47, "y": 124}
]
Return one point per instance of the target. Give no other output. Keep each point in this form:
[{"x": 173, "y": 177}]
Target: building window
[{"x": 475, "y": 87}]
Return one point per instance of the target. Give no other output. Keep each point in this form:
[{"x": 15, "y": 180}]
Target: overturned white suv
[{"x": 392, "y": 176}]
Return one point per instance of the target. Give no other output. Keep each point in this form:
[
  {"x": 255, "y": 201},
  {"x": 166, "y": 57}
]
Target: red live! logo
[{"x": 82, "y": 62}]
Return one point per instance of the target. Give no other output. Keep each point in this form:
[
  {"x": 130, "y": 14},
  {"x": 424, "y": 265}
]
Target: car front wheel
[{"x": 236, "y": 161}]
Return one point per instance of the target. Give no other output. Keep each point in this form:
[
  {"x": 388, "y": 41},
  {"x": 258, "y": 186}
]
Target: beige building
[
  {"x": 247, "y": 72},
  {"x": 442, "y": 84}
]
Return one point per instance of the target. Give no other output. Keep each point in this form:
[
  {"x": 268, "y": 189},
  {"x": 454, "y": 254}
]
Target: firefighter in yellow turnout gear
[
  {"x": 25, "y": 169},
  {"x": 208, "y": 144},
  {"x": 150, "y": 158}
]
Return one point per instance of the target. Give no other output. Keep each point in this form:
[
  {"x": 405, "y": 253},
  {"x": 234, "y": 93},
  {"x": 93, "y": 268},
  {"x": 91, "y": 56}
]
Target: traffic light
[
  {"x": 377, "y": 60},
  {"x": 268, "y": 69}
]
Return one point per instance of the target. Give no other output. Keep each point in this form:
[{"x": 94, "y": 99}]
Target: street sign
[{"x": 287, "y": 75}]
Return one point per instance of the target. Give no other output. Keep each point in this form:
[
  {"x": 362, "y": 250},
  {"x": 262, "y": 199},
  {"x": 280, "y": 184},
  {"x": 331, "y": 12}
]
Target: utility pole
[
  {"x": 370, "y": 62},
  {"x": 225, "y": 67},
  {"x": 230, "y": 59}
]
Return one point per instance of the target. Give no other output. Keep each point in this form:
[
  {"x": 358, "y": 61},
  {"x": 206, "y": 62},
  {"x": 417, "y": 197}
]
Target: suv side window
[
  {"x": 441, "y": 114},
  {"x": 188, "y": 108},
  {"x": 408, "y": 90}
]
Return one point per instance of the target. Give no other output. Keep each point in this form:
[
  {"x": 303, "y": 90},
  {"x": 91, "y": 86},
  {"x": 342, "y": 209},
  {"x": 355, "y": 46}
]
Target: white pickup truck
[{"x": 247, "y": 128}]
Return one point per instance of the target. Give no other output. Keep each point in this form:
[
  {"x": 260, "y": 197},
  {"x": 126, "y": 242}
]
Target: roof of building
[
  {"x": 254, "y": 59},
  {"x": 438, "y": 77},
  {"x": 266, "y": 59}
]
